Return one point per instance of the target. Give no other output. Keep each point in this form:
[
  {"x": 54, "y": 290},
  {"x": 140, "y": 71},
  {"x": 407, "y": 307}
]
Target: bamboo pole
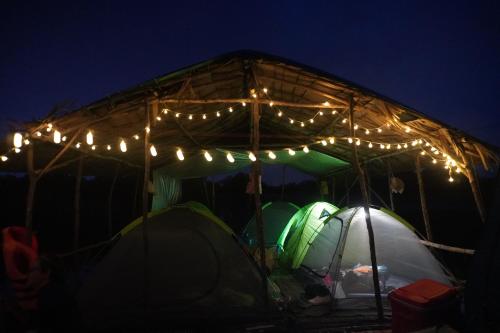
[
  {"x": 110, "y": 200},
  {"x": 32, "y": 179},
  {"x": 423, "y": 200},
  {"x": 389, "y": 175},
  {"x": 76, "y": 204},
  {"x": 145, "y": 210},
  {"x": 366, "y": 206}
]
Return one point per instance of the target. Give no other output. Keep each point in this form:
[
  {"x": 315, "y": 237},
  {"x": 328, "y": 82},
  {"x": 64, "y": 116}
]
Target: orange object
[
  {"x": 22, "y": 265},
  {"x": 422, "y": 304}
]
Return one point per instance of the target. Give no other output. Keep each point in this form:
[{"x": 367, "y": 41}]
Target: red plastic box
[{"x": 422, "y": 304}]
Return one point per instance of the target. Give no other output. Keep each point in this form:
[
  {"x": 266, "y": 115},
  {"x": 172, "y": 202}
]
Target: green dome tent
[
  {"x": 339, "y": 254},
  {"x": 196, "y": 267},
  {"x": 275, "y": 216},
  {"x": 301, "y": 230}
]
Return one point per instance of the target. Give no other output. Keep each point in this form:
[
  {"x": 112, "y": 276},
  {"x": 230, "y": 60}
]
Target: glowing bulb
[
  {"x": 433, "y": 149},
  {"x": 243, "y": 104},
  {"x": 230, "y": 109},
  {"x": 165, "y": 111},
  {"x": 57, "y": 136},
  {"x": 302, "y": 124},
  {"x": 93, "y": 147},
  {"x": 305, "y": 149},
  {"x": 252, "y": 157},
  {"x": 379, "y": 130},
  {"x": 326, "y": 103},
  {"x": 292, "y": 121},
  {"x": 49, "y": 127},
  {"x": 26, "y": 142},
  {"x": 382, "y": 147},
  {"x": 356, "y": 127},
  {"x": 349, "y": 140},
  {"x": 64, "y": 138},
  {"x": 451, "y": 179},
  {"x": 190, "y": 117},
  {"x": 399, "y": 146},
  {"x": 123, "y": 146},
  {"x": 136, "y": 136},
  {"x": 407, "y": 130},
  {"x": 405, "y": 145},
  {"x": 427, "y": 144},
  {"x": 78, "y": 144},
  {"x": 422, "y": 153},
  {"x": 367, "y": 132},
  {"x": 321, "y": 113},
  {"x": 458, "y": 170},
  {"x": 17, "y": 150},
  {"x": 334, "y": 111},
  {"x": 4, "y": 158},
  {"x": 344, "y": 120},
  {"x": 388, "y": 146},
  {"x": 420, "y": 141},
  {"x": 271, "y": 155},
  {"x": 370, "y": 145},
  {"x": 90, "y": 138},
  {"x": 177, "y": 115},
  {"x": 180, "y": 155},
  {"x": 147, "y": 129},
  {"x": 332, "y": 141},
  {"x": 323, "y": 142},
  {"x": 38, "y": 133},
  {"x": 230, "y": 157},
  {"x": 414, "y": 143},
  {"x": 254, "y": 95},
  {"x": 291, "y": 151},
  {"x": 358, "y": 142},
  {"x": 158, "y": 118},
  {"x": 280, "y": 114},
  {"x": 204, "y": 116},
  {"x": 264, "y": 90},
  {"x": 434, "y": 161},
  {"x": 271, "y": 104},
  {"x": 18, "y": 140},
  {"x": 108, "y": 147},
  {"x": 311, "y": 120},
  {"x": 208, "y": 157},
  {"x": 218, "y": 114}
]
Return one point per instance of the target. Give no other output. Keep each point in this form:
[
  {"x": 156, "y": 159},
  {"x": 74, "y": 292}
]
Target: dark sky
[{"x": 440, "y": 57}]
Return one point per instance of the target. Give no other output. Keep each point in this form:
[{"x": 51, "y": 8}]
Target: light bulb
[
  {"x": 264, "y": 90},
  {"x": 382, "y": 147},
  {"x": 208, "y": 157},
  {"x": 291, "y": 151},
  {"x": 153, "y": 151},
  {"x": 252, "y": 157},
  {"x": 422, "y": 153},
  {"x": 108, "y": 147},
  {"x": 218, "y": 114},
  {"x": 326, "y": 103},
  {"x": 302, "y": 124},
  {"x": 271, "y": 155},
  {"x": 344, "y": 120},
  {"x": 292, "y": 121},
  {"x": 434, "y": 161},
  {"x": 358, "y": 142},
  {"x": 420, "y": 141},
  {"x": 64, "y": 138},
  {"x": 405, "y": 145},
  {"x": 57, "y": 136},
  {"x": 451, "y": 179},
  {"x": 93, "y": 147},
  {"x": 243, "y": 104},
  {"x": 321, "y": 113},
  {"x": 26, "y": 142},
  {"x": 147, "y": 129},
  {"x": 356, "y": 127},
  {"x": 458, "y": 170},
  {"x": 370, "y": 145},
  {"x": 230, "y": 157},
  {"x": 414, "y": 143},
  {"x": 280, "y": 114},
  {"x": 158, "y": 118},
  {"x": 334, "y": 111},
  {"x": 349, "y": 140},
  {"x": 367, "y": 132},
  {"x": 305, "y": 149},
  {"x": 190, "y": 117},
  {"x": 407, "y": 130},
  {"x": 254, "y": 95},
  {"x": 311, "y": 120},
  {"x": 49, "y": 127},
  {"x": 332, "y": 141},
  {"x": 177, "y": 115},
  {"x": 123, "y": 146},
  {"x": 17, "y": 150},
  {"x": 4, "y": 158},
  {"x": 379, "y": 130},
  {"x": 399, "y": 146},
  {"x": 38, "y": 133},
  {"x": 90, "y": 138},
  {"x": 230, "y": 109},
  {"x": 136, "y": 136},
  {"x": 388, "y": 146},
  {"x": 18, "y": 140},
  {"x": 323, "y": 142},
  {"x": 204, "y": 116},
  {"x": 78, "y": 144},
  {"x": 180, "y": 155},
  {"x": 271, "y": 104},
  {"x": 165, "y": 111}
]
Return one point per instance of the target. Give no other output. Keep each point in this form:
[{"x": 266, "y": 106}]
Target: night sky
[{"x": 441, "y": 59}]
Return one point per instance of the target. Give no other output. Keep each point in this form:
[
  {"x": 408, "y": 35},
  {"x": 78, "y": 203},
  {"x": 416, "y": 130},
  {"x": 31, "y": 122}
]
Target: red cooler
[{"x": 422, "y": 304}]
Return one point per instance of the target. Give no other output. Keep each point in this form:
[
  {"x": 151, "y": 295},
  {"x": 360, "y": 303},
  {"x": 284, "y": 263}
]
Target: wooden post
[
  {"x": 423, "y": 201},
  {"x": 256, "y": 173},
  {"x": 474, "y": 185},
  {"x": 145, "y": 210},
  {"x": 389, "y": 175},
  {"x": 32, "y": 179},
  {"x": 76, "y": 204},
  {"x": 366, "y": 205},
  {"x": 110, "y": 200}
]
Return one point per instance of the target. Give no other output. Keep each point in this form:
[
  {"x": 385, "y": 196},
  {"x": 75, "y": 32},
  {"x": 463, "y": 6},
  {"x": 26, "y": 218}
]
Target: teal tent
[
  {"x": 275, "y": 216},
  {"x": 301, "y": 231}
]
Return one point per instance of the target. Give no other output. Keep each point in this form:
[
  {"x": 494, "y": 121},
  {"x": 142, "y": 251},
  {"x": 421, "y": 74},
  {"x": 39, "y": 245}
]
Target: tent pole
[
  {"x": 76, "y": 204},
  {"x": 389, "y": 175},
  {"x": 256, "y": 173},
  {"x": 364, "y": 192},
  {"x": 145, "y": 210},
  {"x": 110, "y": 201},
  {"x": 32, "y": 179},
  {"x": 423, "y": 201}
]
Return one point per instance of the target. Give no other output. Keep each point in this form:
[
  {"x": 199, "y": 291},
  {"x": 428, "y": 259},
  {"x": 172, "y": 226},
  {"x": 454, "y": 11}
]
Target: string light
[
  {"x": 356, "y": 127},
  {"x": 334, "y": 112},
  {"x": 271, "y": 104},
  {"x": 379, "y": 130},
  {"x": 458, "y": 170},
  {"x": 388, "y": 146},
  {"x": 422, "y": 153},
  {"x": 57, "y": 136},
  {"x": 180, "y": 155},
  {"x": 407, "y": 130},
  {"x": 358, "y": 142},
  {"x": 165, "y": 111},
  {"x": 38, "y": 133},
  {"x": 252, "y": 157},
  {"x": 264, "y": 90},
  {"x": 382, "y": 146},
  {"x": 291, "y": 151},
  {"x": 108, "y": 147},
  {"x": 136, "y": 136},
  {"x": 230, "y": 157},
  {"x": 177, "y": 115},
  {"x": 208, "y": 157},
  {"x": 147, "y": 129},
  {"x": 326, "y": 103},
  {"x": 26, "y": 142},
  {"x": 305, "y": 149},
  {"x": 399, "y": 146},
  {"x": 271, "y": 155},
  {"x": 321, "y": 113},
  {"x": 414, "y": 143},
  {"x": 367, "y": 132},
  {"x": 344, "y": 120},
  {"x": 218, "y": 114},
  {"x": 451, "y": 179},
  {"x": 18, "y": 140},
  {"x": 370, "y": 145},
  {"x": 230, "y": 109},
  {"x": 280, "y": 114},
  {"x": 311, "y": 120},
  {"x": 254, "y": 95},
  {"x": 93, "y": 147},
  {"x": 190, "y": 117},
  {"x": 123, "y": 146},
  {"x": 49, "y": 127},
  {"x": 204, "y": 116},
  {"x": 17, "y": 150},
  {"x": 64, "y": 138},
  {"x": 78, "y": 144},
  {"x": 243, "y": 104},
  {"x": 332, "y": 140},
  {"x": 90, "y": 138},
  {"x": 291, "y": 121},
  {"x": 349, "y": 140},
  {"x": 4, "y": 158},
  {"x": 158, "y": 118},
  {"x": 434, "y": 161},
  {"x": 302, "y": 124}
]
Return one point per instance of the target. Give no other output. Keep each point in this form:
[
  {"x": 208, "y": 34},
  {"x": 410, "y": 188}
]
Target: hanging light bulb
[
  {"x": 358, "y": 142},
  {"x": 388, "y": 146},
  {"x": 405, "y": 145},
  {"x": 382, "y": 146},
  {"x": 292, "y": 121},
  {"x": 334, "y": 111},
  {"x": 427, "y": 144},
  {"x": 302, "y": 124},
  {"x": 379, "y": 130},
  {"x": 407, "y": 130},
  {"x": 367, "y": 131},
  {"x": 320, "y": 113},
  {"x": 218, "y": 114},
  {"x": 280, "y": 113},
  {"x": 271, "y": 104},
  {"x": 4, "y": 158},
  {"x": 17, "y": 150},
  {"x": 291, "y": 151},
  {"x": 78, "y": 144},
  {"x": 204, "y": 116},
  {"x": 311, "y": 120},
  {"x": 414, "y": 143},
  {"x": 344, "y": 120},
  {"x": 420, "y": 141},
  {"x": 108, "y": 147},
  {"x": 271, "y": 155},
  {"x": 93, "y": 147},
  {"x": 38, "y": 133},
  {"x": 165, "y": 111},
  {"x": 177, "y": 115},
  {"x": 123, "y": 146},
  {"x": 230, "y": 157},
  {"x": 370, "y": 145},
  {"x": 190, "y": 117},
  {"x": 180, "y": 155},
  {"x": 230, "y": 109},
  {"x": 243, "y": 104},
  {"x": 458, "y": 170},
  {"x": 264, "y": 90},
  {"x": 64, "y": 138},
  {"x": 153, "y": 151},
  {"x": 136, "y": 136},
  {"x": 26, "y": 142},
  {"x": 323, "y": 142},
  {"x": 254, "y": 95},
  {"x": 399, "y": 146},
  {"x": 349, "y": 140},
  {"x": 57, "y": 136},
  {"x": 49, "y": 127},
  {"x": 305, "y": 149},
  {"x": 422, "y": 153},
  {"x": 356, "y": 126},
  {"x": 208, "y": 157},
  {"x": 326, "y": 103},
  {"x": 433, "y": 149},
  {"x": 332, "y": 140},
  {"x": 158, "y": 118},
  {"x": 434, "y": 161},
  {"x": 90, "y": 138},
  {"x": 252, "y": 157},
  {"x": 451, "y": 179},
  {"x": 18, "y": 140}
]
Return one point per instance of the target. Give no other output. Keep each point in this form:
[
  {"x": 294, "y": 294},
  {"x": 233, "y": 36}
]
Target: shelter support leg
[
  {"x": 33, "y": 179},
  {"x": 423, "y": 201},
  {"x": 366, "y": 205},
  {"x": 478, "y": 198}
]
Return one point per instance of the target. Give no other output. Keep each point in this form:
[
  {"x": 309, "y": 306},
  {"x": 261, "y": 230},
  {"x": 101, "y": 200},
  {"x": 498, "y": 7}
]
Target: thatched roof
[{"x": 316, "y": 102}]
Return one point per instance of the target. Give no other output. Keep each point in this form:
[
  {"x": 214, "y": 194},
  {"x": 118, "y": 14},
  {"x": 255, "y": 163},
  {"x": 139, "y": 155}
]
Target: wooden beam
[
  {"x": 366, "y": 206},
  {"x": 76, "y": 203},
  {"x": 423, "y": 200},
  {"x": 61, "y": 152},
  {"x": 248, "y": 101}
]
